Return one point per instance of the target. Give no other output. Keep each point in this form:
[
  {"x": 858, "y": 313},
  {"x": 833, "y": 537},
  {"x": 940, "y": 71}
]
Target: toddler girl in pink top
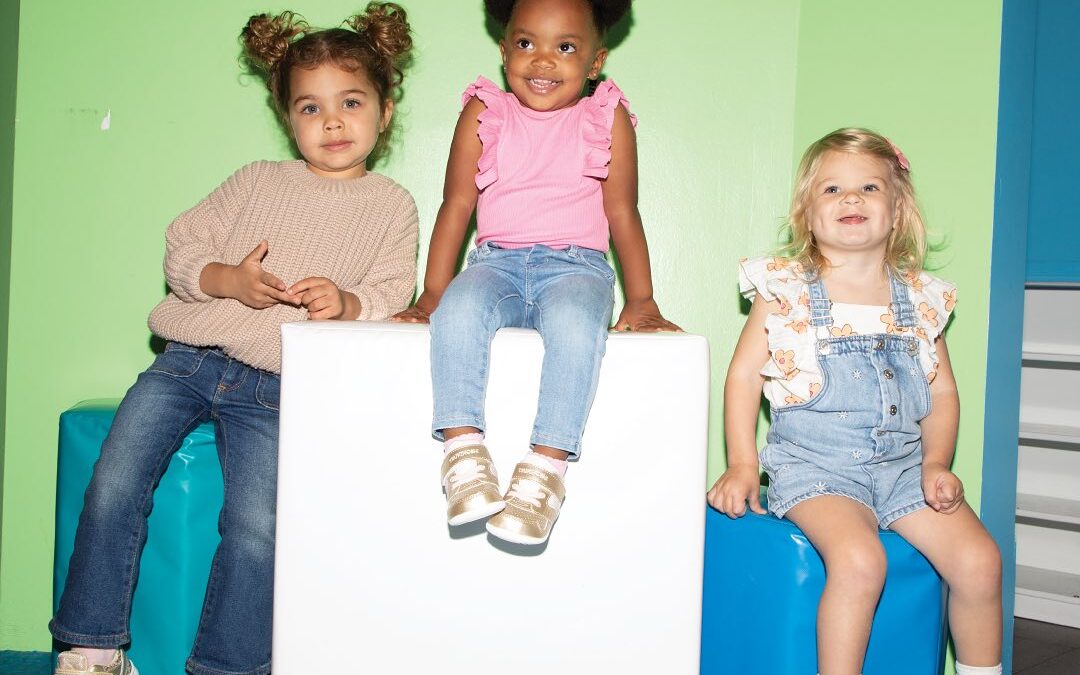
[{"x": 552, "y": 175}]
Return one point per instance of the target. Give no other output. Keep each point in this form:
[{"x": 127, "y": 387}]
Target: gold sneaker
[
  {"x": 471, "y": 486},
  {"x": 73, "y": 663},
  {"x": 532, "y": 505}
]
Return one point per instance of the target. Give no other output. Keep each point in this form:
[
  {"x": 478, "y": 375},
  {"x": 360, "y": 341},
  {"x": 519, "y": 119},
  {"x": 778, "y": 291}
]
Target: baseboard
[{"x": 25, "y": 663}]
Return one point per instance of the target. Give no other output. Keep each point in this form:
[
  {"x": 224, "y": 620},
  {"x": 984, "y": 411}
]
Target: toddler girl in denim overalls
[
  {"x": 863, "y": 400},
  {"x": 552, "y": 175}
]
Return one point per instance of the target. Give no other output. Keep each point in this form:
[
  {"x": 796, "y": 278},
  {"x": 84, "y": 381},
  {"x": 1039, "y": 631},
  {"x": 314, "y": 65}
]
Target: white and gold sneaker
[
  {"x": 532, "y": 504},
  {"x": 471, "y": 485},
  {"x": 73, "y": 663}
]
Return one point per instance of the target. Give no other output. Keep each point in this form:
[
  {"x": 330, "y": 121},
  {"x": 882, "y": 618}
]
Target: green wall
[
  {"x": 928, "y": 80},
  {"x": 727, "y": 97},
  {"x": 9, "y": 61}
]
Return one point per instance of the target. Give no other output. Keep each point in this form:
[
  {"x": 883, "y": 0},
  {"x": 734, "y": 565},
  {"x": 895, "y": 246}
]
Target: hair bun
[
  {"x": 266, "y": 38},
  {"x": 386, "y": 27},
  {"x": 609, "y": 12}
]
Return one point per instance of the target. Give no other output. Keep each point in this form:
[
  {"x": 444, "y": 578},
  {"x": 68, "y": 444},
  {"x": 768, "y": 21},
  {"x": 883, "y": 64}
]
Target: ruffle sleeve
[
  {"x": 773, "y": 277},
  {"x": 599, "y": 119},
  {"x": 791, "y": 337},
  {"x": 934, "y": 301},
  {"x": 491, "y": 122}
]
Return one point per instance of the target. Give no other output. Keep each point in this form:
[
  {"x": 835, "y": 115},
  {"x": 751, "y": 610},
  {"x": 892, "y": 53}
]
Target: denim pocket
[
  {"x": 179, "y": 360},
  {"x": 268, "y": 391},
  {"x": 594, "y": 260}
]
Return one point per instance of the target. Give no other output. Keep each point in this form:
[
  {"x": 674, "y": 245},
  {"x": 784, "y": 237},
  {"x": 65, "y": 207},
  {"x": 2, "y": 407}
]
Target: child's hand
[
  {"x": 321, "y": 297},
  {"x": 249, "y": 283},
  {"x": 943, "y": 490},
  {"x": 740, "y": 485},
  {"x": 418, "y": 313},
  {"x": 644, "y": 316}
]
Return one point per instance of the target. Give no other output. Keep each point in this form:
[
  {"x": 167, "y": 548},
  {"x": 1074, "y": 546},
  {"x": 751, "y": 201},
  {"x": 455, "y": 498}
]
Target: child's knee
[
  {"x": 976, "y": 569},
  {"x": 858, "y": 565}
]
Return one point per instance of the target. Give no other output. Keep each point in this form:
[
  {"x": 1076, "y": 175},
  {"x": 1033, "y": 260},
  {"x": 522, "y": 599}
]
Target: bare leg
[
  {"x": 845, "y": 533},
  {"x": 454, "y": 432},
  {"x": 548, "y": 451},
  {"x": 962, "y": 551}
]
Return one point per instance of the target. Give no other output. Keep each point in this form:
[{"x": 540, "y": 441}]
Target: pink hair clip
[{"x": 900, "y": 159}]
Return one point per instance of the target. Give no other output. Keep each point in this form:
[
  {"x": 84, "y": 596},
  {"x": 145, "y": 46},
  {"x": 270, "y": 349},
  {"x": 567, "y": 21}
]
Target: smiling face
[
  {"x": 852, "y": 205},
  {"x": 336, "y": 117},
  {"x": 551, "y": 47}
]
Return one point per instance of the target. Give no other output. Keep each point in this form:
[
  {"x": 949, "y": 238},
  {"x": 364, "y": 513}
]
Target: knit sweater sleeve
[
  {"x": 197, "y": 237},
  {"x": 390, "y": 283}
]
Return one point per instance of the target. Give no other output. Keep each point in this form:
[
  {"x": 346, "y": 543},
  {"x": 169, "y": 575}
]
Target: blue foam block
[
  {"x": 180, "y": 542},
  {"x": 763, "y": 581}
]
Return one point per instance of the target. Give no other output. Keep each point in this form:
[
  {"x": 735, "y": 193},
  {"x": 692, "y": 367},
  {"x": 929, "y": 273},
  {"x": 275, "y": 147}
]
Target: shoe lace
[
  {"x": 463, "y": 472},
  {"x": 527, "y": 491}
]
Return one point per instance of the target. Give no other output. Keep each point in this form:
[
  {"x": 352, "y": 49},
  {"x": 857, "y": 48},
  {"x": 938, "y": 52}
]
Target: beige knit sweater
[{"x": 360, "y": 233}]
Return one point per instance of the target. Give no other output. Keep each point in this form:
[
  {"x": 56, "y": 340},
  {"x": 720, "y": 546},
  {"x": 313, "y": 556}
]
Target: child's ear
[
  {"x": 387, "y": 114},
  {"x": 598, "y": 63}
]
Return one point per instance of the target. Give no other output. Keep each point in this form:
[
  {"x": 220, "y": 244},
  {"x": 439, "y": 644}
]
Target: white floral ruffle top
[{"x": 792, "y": 375}]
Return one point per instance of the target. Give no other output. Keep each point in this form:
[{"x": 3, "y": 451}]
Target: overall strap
[
  {"x": 902, "y": 309},
  {"x": 820, "y": 309}
]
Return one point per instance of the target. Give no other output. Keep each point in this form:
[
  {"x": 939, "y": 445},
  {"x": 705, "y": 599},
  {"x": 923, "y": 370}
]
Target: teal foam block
[
  {"x": 763, "y": 580},
  {"x": 180, "y": 542}
]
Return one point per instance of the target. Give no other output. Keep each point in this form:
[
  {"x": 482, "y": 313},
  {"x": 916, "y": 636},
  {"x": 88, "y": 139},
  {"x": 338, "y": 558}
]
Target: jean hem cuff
[
  {"x": 787, "y": 505},
  {"x": 572, "y": 448},
  {"x": 195, "y": 668},
  {"x": 897, "y": 514},
  {"x": 114, "y": 641},
  {"x": 439, "y": 424}
]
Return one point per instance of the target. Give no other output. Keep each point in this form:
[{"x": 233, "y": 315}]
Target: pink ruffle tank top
[{"x": 540, "y": 173}]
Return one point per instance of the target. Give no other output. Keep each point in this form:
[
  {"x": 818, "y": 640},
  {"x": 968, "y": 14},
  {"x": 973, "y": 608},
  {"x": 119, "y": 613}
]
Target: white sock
[
  {"x": 558, "y": 465},
  {"x": 961, "y": 669},
  {"x": 96, "y": 656},
  {"x": 456, "y": 442}
]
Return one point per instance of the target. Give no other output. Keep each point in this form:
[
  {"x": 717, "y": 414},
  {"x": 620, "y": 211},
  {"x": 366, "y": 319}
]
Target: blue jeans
[
  {"x": 567, "y": 295},
  {"x": 184, "y": 387}
]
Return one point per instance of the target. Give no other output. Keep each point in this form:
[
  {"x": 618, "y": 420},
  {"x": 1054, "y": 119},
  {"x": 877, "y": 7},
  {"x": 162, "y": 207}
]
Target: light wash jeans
[
  {"x": 184, "y": 387},
  {"x": 567, "y": 295}
]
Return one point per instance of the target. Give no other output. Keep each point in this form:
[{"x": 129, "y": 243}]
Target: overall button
[
  {"x": 880, "y": 432},
  {"x": 880, "y": 344},
  {"x": 892, "y": 410},
  {"x": 888, "y": 374}
]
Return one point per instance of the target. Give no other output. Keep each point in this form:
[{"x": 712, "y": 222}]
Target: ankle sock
[
  {"x": 558, "y": 465},
  {"x": 961, "y": 669},
  {"x": 456, "y": 442},
  {"x": 96, "y": 656}
]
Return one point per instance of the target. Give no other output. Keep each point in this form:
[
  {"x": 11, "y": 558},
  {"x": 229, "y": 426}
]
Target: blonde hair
[{"x": 905, "y": 253}]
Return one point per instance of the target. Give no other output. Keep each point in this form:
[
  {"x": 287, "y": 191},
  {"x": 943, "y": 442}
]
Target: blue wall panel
[{"x": 1054, "y": 224}]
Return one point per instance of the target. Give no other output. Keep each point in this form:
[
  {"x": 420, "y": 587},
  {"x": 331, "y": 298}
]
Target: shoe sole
[
  {"x": 514, "y": 537},
  {"x": 476, "y": 514}
]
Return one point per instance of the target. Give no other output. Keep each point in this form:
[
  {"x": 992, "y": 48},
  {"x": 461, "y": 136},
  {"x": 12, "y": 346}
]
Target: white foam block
[{"x": 370, "y": 578}]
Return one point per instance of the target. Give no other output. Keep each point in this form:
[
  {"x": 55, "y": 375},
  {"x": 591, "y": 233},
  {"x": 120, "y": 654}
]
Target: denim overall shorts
[{"x": 859, "y": 437}]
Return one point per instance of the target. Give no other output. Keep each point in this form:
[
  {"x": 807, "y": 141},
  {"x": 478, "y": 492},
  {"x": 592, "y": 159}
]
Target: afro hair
[{"x": 606, "y": 13}]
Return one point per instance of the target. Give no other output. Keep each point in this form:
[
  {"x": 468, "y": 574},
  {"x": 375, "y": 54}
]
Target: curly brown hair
[
  {"x": 605, "y": 13},
  {"x": 377, "y": 42}
]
